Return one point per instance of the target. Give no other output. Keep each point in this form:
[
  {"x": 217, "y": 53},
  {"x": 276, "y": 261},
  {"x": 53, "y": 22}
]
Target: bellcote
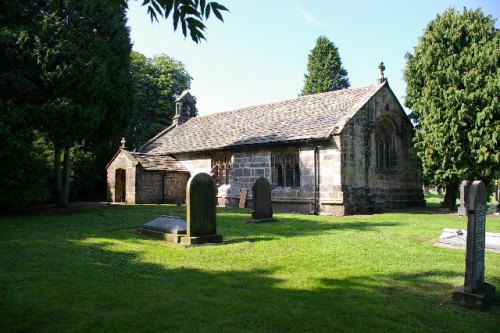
[
  {"x": 381, "y": 77},
  {"x": 185, "y": 108}
]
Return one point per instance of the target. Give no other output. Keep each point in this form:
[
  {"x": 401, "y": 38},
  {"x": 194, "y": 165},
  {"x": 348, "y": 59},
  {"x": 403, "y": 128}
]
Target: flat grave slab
[
  {"x": 456, "y": 238},
  {"x": 165, "y": 223},
  {"x": 169, "y": 228}
]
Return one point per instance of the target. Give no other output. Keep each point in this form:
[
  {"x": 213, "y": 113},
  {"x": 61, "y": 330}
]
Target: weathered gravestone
[
  {"x": 475, "y": 293},
  {"x": 201, "y": 225},
  {"x": 261, "y": 202},
  {"x": 201, "y": 217},
  {"x": 243, "y": 197},
  {"x": 464, "y": 189}
]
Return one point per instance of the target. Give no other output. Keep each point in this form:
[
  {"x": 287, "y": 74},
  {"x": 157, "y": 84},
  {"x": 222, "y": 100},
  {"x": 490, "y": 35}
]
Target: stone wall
[
  {"x": 123, "y": 161},
  {"x": 149, "y": 187},
  {"x": 196, "y": 162},
  {"x": 175, "y": 187},
  {"x": 366, "y": 188}
]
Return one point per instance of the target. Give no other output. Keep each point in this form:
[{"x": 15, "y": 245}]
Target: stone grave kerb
[{"x": 201, "y": 218}]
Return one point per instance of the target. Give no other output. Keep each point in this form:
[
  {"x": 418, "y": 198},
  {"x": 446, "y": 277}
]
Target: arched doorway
[{"x": 120, "y": 185}]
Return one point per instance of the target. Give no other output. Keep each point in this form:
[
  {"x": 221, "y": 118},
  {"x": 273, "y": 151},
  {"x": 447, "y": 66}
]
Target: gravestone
[
  {"x": 426, "y": 189},
  {"x": 201, "y": 219},
  {"x": 475, "y": 293},
  {"x": 169, "y": 228},
  {"x": 261, "y": 202},
  {"x": 243, "y": 197},
  {"x": 464, "y": 189}
]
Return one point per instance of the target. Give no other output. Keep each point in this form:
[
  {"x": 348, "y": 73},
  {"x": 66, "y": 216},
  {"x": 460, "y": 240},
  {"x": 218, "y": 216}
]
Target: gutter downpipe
[
  {"x": 316, "y": 179},
  {"x": 163, "y": 188}
]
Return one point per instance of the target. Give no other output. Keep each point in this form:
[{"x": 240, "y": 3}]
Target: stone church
[{"x": 336, "y": 153}]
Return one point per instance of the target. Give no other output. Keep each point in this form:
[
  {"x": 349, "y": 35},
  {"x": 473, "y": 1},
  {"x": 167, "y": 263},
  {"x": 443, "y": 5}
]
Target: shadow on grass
[{"x": 88, "y": 287}]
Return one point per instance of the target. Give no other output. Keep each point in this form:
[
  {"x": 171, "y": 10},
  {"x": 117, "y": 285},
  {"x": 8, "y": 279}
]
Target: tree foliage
[
  {"x": 453, "y": 89},
  {"x": 324, "y": 69},
  {"x": 67, "y": 67},
  {"x": 188, "y": 13},
  {"x": 159, "y": 81}
]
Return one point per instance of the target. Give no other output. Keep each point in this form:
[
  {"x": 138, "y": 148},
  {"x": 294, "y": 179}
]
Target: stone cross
[
  {"x": 261, "y": 201},
  {"x": 464, "y": 189},
  {"x": 201, "y": 220},
  {"x": 475, "y": 292}
]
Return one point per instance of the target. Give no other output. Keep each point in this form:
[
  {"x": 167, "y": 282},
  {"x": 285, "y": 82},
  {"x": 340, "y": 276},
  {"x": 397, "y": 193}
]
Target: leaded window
[
  {"x": 286, "y": 169},
  {"x": 221, "y": 168},
  {"x": 386, "y": 158}
]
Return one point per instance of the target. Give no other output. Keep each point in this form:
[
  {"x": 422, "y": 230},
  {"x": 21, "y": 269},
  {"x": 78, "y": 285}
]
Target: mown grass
[{"x": 90, "y": 271}]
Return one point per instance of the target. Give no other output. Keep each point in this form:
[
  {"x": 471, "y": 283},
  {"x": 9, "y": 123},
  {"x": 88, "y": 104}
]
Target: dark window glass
[{"x": 297, "y": 175}]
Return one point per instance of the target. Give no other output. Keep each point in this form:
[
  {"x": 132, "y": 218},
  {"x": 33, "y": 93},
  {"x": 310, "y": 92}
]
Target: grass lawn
[{"x": 90, "y": 271}]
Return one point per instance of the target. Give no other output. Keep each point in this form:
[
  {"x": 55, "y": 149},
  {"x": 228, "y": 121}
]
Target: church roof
[
  {"x": 306, "y": 118},
  {"x": 159, "y": 162}
]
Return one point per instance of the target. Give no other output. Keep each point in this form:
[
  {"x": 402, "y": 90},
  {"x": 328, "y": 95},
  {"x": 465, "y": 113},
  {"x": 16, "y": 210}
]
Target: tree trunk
[
  {"x": 58, "y": 174},
  {"x": 62, "y": 176},
  {"x": 66, "y": 179},
  {"x": 450, "y": 197}
]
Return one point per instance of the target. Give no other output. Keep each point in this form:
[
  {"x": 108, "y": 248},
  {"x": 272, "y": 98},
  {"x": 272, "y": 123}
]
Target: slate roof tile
[
  {"x": 158, "y": 162},
  {"x": 311, "y": 117}
]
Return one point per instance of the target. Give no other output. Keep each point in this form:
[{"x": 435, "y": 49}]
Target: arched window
[{"x": 386, "y": 159}]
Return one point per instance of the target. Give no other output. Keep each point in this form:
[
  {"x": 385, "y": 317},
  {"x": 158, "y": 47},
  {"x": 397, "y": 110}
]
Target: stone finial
[
  {"x": 381, "y": 77},
  {"x": 122, "y": 141}
]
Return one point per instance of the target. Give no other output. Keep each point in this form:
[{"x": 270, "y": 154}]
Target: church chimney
[
  {"x": 185, "y": 108},
  {"x": 381, "y": 79}
]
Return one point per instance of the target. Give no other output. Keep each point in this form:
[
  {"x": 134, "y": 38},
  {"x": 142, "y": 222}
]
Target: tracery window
[
  {"x": 385, "y": 146},
  {"x": 221, "y": 168},
  {"x": 286, "y": 169}
]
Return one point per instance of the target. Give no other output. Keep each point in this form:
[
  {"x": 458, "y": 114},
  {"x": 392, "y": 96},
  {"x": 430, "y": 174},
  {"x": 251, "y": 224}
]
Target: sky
[{"x": 259, "y": 53}]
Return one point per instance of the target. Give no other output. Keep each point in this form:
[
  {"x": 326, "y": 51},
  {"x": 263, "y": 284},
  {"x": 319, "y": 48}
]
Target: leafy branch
[{"x": 190, "y": 14}]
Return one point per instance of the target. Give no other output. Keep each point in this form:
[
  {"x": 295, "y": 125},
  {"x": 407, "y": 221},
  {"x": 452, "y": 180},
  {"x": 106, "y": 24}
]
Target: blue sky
[{"x": 259, "y": 54}]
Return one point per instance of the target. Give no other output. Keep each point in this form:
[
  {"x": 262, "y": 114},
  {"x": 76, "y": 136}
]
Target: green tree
[
  {"x": 159, "y": 81},
  {"x": 453, "y": 90},
  {"x": 324, "y": 69},
  {"x": 73, "y": 57},
  {"x": 189, "y": 13}
]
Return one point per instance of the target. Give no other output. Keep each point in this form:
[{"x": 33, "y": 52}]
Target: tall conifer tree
[
  {"x": 324, "y": 69},
  {"x": 453, "y": 91},
  {"x": 71, "y": 61}
]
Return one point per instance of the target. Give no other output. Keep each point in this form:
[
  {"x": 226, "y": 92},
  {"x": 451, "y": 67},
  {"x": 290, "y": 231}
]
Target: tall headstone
[
  {"x": 261, "y": 202},
  {"x": 201, "y": 219},
  {"x": 464, "y": 189},
  {"x": 475, "y": 293}
]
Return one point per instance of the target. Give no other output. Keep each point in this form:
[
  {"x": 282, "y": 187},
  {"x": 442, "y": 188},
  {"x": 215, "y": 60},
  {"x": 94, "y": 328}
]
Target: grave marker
[
  {"x": 261, "y": 202},
  {"x": 201, "y": 224},
  {"x": 243, "y": 197},
  {"x": 475, "y": 293},
  {"x": 201, "y": 219},
  {"x": 464, "y": 189}
]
